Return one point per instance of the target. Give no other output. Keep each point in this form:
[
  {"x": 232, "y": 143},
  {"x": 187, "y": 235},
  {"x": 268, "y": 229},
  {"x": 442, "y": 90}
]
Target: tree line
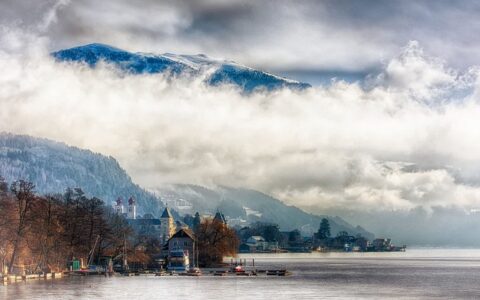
[{"x": 44, "y": 233}]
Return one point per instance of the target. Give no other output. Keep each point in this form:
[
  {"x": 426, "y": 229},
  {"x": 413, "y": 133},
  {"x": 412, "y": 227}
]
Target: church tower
[
  {"x": 132, "y": 209},
  {"x": 167, "y": 226},
  {"x": 119, "y": 206}
]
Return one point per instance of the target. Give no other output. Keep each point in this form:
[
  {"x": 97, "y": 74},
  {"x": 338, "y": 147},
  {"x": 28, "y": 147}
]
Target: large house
[{"x": 182, "y": 241}]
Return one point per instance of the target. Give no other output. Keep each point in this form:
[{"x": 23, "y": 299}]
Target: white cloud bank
[{"x": 408, "y": 137}]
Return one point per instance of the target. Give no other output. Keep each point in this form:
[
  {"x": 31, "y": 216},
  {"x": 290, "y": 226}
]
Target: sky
[
  {"x": 305, "y": 39},
  {"x": 391, "y": 123}
]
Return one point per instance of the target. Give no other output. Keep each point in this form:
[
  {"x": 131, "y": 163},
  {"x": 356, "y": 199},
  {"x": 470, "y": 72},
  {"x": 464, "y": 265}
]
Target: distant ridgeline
[
  {"x": 244, "y": 206},
  {"x": 224, "y": 72},
  {"x": 53, "y": 167}
]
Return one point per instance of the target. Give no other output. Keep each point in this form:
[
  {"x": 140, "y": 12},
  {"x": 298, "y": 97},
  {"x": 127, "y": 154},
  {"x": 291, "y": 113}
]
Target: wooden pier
[{"x": 9, "y": 279}]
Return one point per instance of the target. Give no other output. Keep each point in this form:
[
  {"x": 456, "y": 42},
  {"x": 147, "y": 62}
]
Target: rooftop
[
  {"x": 184, "y": 233},
  {"x": 166, "y": 213}
]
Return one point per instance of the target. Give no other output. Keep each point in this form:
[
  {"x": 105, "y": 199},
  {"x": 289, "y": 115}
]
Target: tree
[
  {"x": 118, "y": 232},
  {"x": 6, "y": 207},
  {"x": 73, "y": 220},
  {"x": 43, "y": 233},
  {"x": 94, "y": 219},
  {"x": 44, "y": 239},
  {"x": 324, "y": 230},
  {"x": 24, "y": 198},
  {"x": 295, "y": 238},
  {"x": 196, "y": 221},
  {"x": 3, "y": 187},
  {"x": 215, "y": 240},
  {"x": 269, "y": 231},
  {"x": 188, "y": 219}
]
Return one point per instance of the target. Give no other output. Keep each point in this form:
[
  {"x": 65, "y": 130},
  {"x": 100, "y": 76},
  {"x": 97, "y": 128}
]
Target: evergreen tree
[
  {"x": 196, "y": 221},
  {"x": 188, "y": 219},
  {"x": 324, "y": 230}
]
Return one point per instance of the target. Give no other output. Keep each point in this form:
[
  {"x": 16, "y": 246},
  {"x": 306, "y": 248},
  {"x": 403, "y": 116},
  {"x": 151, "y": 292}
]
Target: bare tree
[
  {"x": 215, "y": 240},
  {"x": 24, "y": 199}
]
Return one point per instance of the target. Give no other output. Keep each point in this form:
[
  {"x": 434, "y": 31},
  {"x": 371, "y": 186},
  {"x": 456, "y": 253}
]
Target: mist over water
[{"x": 417, "y": 273}]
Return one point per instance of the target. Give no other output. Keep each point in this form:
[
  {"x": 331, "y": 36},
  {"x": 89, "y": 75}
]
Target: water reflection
[{"x": 425, "y": 273}]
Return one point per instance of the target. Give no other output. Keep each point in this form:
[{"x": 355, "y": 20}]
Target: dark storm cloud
[
  {"x": 214, "y": 18},
  {"x": 313, "y": 36}
]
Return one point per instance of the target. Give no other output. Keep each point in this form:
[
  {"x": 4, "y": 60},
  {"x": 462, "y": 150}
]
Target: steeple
[
  {"x": 167, "y": 226},
  {"x": 132, "y": 209},
  {"x": 119, "y": 206},
  {"x": 166, "y": 213}
]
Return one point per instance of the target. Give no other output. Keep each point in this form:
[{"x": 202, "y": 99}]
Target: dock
[
  {"x": 236, "y": 268},
  {"x": 9, "y": 279}
]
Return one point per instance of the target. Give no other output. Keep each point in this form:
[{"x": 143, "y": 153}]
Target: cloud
[
  {"x": 51, "y": 16},
  {"x": 308, "y": 36},
  {"x": 407, "y": 138}
]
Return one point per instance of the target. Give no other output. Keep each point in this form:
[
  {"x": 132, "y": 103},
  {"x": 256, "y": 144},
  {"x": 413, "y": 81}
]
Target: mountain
[
  {"x": 217, "y": 72},
  {"x": 53, "y": 167},
  {"x": 249, "y": 205}
]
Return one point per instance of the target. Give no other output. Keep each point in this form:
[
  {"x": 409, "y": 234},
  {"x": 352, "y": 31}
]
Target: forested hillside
[{"x": 53, "y": 167}]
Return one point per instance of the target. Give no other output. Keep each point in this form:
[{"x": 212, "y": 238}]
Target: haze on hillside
[{"x": 390, "y": 137}]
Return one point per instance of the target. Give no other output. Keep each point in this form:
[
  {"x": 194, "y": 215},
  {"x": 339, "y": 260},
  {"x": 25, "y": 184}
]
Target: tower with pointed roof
[
  {"x": 132, "y": 209},
  {"x": 167, "y": 226},
  {"x": 119, "y": 206}
]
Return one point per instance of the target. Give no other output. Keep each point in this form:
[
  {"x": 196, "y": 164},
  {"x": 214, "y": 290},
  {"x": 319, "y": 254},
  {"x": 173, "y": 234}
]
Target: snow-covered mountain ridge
[{"x": 220, "y": 72}]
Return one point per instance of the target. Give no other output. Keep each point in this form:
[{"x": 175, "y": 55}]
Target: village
[
  {"x": 125, "y": 243},
  {"x": 180, "y": 250}
]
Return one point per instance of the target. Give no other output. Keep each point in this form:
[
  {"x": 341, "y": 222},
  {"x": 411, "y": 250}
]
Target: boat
[
  {"x": 194, "y": 272},
  {"x": 178, "y": 261}
]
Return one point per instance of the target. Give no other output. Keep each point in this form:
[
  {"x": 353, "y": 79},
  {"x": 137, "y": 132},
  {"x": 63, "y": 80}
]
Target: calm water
[{"x": 422, "y": 273}]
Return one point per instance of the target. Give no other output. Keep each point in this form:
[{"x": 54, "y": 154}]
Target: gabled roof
[
  {"x": 166, "y": 213},
  {"x": 183, "y": 233}
]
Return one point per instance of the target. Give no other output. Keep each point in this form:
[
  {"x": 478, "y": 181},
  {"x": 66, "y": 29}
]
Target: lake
[{"x": 417, "y": 273}]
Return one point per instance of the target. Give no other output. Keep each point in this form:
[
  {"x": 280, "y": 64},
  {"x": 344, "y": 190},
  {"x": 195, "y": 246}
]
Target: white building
[
  {"x": 132, "y": 209},
  {"x": 119, "y": 208}
]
